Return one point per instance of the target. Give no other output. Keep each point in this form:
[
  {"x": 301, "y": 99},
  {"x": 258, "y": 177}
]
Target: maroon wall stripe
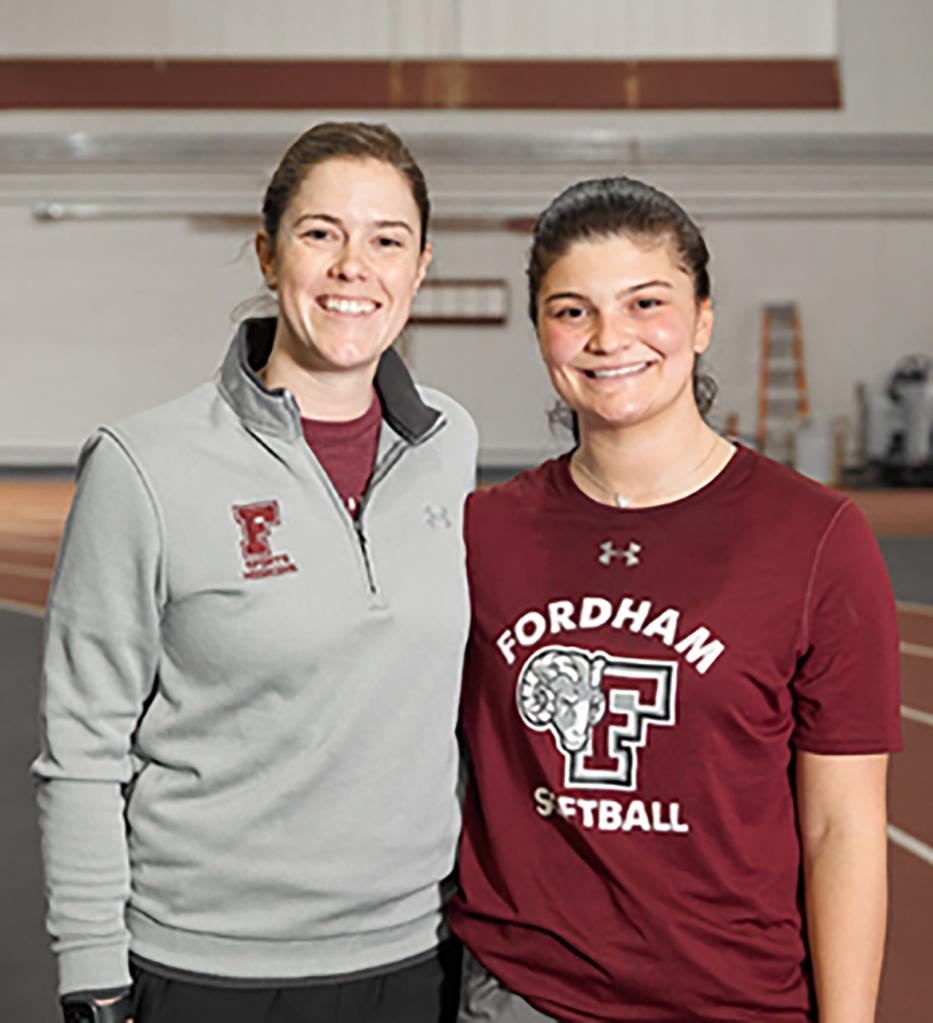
[{"x": 420, "y": 84}]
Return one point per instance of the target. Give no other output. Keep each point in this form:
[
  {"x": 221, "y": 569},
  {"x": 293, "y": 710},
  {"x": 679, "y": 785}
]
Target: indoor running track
[{"x": 32, "y": 514}]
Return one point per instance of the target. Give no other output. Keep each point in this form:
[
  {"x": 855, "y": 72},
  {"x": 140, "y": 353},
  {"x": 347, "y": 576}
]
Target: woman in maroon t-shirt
[{"x": 681, "y": 681}]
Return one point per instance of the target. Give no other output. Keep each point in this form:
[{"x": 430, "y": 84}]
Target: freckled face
[
  {"x": 346, "y": 263},
  {"x": 619, "y": 330}
]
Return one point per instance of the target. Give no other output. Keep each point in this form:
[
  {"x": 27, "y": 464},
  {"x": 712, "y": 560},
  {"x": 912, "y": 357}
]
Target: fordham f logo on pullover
[{"x": 256, "y": 522}]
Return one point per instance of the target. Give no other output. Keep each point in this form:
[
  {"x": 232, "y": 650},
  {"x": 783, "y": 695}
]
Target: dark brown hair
[
  {"x": 606, "y": 207},
  {"x": 347, "y": 140}
]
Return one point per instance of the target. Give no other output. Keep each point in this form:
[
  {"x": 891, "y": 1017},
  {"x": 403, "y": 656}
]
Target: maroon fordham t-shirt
[{"x": 637, "y": 682}]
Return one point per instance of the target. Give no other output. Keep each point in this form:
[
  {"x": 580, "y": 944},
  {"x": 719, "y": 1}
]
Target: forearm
[
  {"x": 87, "y": 879},
  {"x": 845, "y": 883}
]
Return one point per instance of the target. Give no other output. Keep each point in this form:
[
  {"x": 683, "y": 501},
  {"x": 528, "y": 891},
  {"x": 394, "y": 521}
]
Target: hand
[
  {"x": 111, "y": 1001},
  {"x": 114, "y": 1009}
]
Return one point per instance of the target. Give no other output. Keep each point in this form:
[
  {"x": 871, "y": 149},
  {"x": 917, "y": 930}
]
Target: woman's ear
[
  {"x": 424, "y": 261},
  {"x": 265, "y": 253},
  {"x": 703, "y": 331}
]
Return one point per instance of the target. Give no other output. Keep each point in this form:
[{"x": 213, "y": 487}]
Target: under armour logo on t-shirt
[{"x": 630, "y": 554}]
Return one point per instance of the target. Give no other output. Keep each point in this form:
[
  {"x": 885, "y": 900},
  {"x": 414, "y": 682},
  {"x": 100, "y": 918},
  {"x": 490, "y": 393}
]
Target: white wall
[
  {"x": 856, "y": 283},
  {"x": 661, "y": 29},
  {"x": 419, "y": 28},
  {"x": 102, "y": 317},
  {"x": 496, "y": 374},
  {"x": 92, "y": 334}
]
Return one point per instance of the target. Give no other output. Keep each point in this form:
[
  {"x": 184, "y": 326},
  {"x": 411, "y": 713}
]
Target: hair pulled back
[
  {"x": 603, "y": 208},
  {"x": 342, "y": 140}
]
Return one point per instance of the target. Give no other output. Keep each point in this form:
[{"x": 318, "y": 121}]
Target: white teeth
[
  {"x": 624, "y": 371},
  {"x": 349, "y": 306}
]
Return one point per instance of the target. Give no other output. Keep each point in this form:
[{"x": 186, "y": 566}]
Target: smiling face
[
  {"x": 346, "y": 264},
  {"x": 620, "y": 328}
]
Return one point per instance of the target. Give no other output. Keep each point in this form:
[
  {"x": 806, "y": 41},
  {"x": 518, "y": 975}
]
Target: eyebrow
[
  {"x": 395, "y": 223},
  {"x": 645, "y": 284},
  {"x": 619, "y": 294},
  {"x": 381, "y": 224}
]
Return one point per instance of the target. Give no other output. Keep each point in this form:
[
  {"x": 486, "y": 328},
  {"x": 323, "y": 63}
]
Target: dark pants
[{"x": 424, "y": 993}]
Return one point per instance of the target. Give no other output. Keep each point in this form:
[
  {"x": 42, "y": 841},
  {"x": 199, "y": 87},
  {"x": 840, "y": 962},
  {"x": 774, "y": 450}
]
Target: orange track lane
[
  {"x": 917, "y": 683},
  {"x": 917, "y": 628},
  {"x": 910, "y": 796}
]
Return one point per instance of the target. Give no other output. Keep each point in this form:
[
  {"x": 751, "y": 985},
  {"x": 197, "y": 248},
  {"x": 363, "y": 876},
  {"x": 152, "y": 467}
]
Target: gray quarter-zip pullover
[{"x": 248, "y": 699}]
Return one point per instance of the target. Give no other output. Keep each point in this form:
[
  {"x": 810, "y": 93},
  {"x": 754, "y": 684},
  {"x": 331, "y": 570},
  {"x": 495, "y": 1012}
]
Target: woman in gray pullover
[{"x": 248, "y": 769}]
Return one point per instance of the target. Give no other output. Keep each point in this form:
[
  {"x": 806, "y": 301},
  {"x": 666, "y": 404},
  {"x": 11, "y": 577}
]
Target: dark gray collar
[{"x": 271, "y": 412}]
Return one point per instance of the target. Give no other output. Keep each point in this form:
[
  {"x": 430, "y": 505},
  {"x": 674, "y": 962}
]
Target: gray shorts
[{"x": 484, "y": 1000}]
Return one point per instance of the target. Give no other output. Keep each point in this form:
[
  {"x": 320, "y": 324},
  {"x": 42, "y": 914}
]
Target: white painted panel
[
  {"x": 90, "y": 28},
  {"x": 619, "y": 29},
  {"x": 424, "y": 28},
  {"x": 278, "y": 28},
  {"x": 632, "y": 29},
  {"x": 103, "y": 319},
  {"x": 226, "y": 28}
]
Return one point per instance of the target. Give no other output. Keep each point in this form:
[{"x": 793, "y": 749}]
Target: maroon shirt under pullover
[{"x": 346, "y": 450}]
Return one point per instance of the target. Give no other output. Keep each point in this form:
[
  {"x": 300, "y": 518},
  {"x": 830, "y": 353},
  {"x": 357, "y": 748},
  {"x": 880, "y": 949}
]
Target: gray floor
[
  {"x": 26, "y": 973},
  {"x": 910, "y": 562}
]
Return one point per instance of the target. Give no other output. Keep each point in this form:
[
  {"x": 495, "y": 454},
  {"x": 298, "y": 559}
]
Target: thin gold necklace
[{"x": 620, "y": 500}]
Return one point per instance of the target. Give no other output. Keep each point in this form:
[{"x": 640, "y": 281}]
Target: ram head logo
[
  {"x": 570, "y": 692},
  {"x": 561, "y": 690}
]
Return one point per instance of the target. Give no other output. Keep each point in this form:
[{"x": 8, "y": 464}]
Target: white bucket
[{"x": 816, "y": 451}]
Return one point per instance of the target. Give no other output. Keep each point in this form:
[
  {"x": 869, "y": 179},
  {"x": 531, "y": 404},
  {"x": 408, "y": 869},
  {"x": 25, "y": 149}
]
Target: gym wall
[{"x": 106, "y": 314}]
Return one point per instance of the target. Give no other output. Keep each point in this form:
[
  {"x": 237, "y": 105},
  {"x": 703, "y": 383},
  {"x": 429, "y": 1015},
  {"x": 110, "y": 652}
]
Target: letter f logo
[{"x": 256, "y": 522}]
